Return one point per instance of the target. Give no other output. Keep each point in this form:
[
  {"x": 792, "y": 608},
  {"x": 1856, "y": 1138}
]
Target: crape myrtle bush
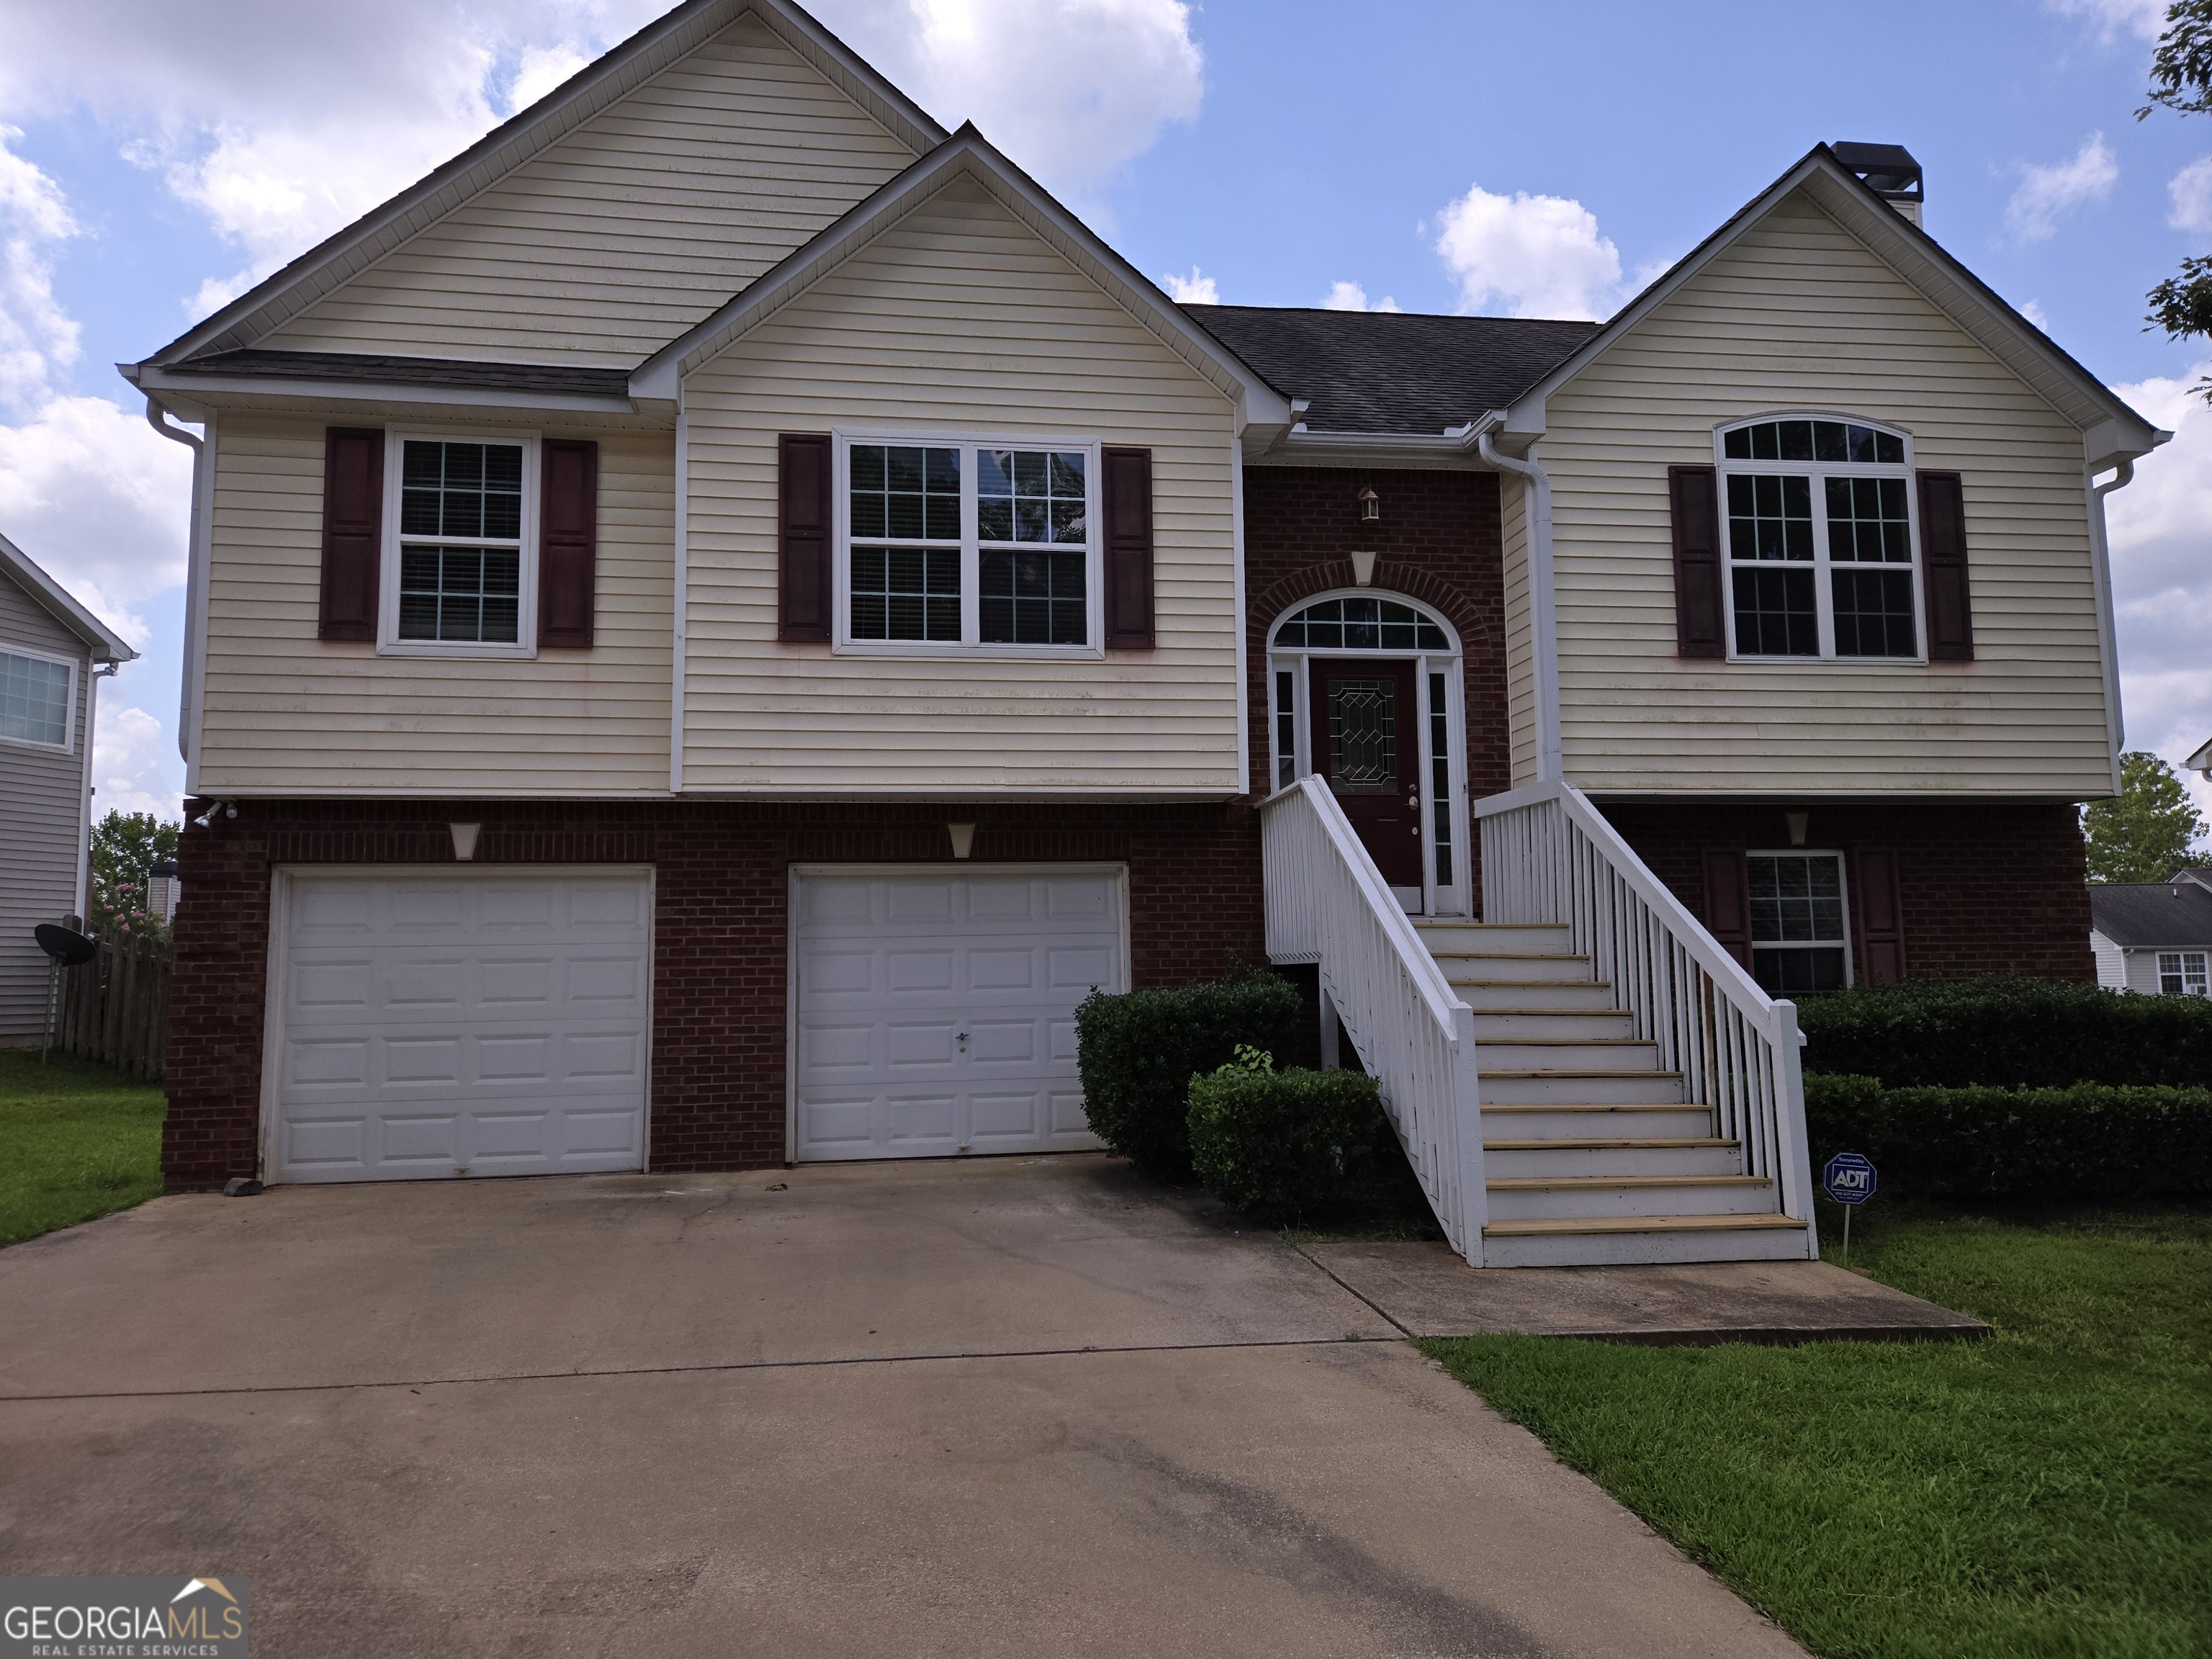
[
  {"x": 2090, "y": 1141},
  {"x": 1138, "y": 1051},
  {"x": 2020, "y": 1033},
  {"x": 1283, "y": 1146}
]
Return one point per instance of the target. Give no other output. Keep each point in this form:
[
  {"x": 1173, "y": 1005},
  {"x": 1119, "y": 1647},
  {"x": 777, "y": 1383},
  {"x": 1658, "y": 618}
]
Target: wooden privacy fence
[{"x": 115, "y": 1008}]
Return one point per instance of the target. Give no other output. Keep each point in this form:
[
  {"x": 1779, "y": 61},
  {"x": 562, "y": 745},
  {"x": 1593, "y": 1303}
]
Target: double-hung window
[
  {"x": 2185, "y": 973},
  {"x": 37, "y": 694},
  {"x": 964, "y": 543},
  {"x": 1799, "y": 945},
  {"x": 460, "y": 566},
  {"x": 1821, "y": 540}
]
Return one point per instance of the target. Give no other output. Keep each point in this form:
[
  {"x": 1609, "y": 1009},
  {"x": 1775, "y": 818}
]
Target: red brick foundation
[
  {"x": 721, "y": 879},
  {"x": 1983, "y": 890}
]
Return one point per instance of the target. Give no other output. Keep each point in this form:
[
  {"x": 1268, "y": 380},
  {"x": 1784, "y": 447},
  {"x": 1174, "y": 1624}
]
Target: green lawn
[
  {"x": 76, "y": 1141},
  {"x": 2046, "y": 1492}
]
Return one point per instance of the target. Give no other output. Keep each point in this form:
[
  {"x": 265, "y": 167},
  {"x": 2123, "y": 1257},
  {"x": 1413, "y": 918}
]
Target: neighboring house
[
  {"x": 51, "y": 652},
  {"x": 718, "y": 616},
  {"x": 2201, "y": 762},
  {"x": 163, "y": 890},
  {"x": 2154, "y": 937}
]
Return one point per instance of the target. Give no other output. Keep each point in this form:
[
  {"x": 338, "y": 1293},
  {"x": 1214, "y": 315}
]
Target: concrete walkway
[{"x": 1012, "y": 1407}]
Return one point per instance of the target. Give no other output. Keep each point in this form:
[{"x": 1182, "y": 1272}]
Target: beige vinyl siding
[
  {"x": 628, "y": 231},
  {"x": 1797, "y": 315},
  {"x": 42, "y": 797},
  {"x": 1520, "y": 656},
  {"x": 958, "y": 321},
  {"x": 287, "y": 714}
]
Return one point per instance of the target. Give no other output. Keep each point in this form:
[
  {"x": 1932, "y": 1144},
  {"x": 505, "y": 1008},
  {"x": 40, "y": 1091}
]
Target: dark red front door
[{"x": 1366, "y": 743}]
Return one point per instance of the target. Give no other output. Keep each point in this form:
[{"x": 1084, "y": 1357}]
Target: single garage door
[
  {"x": 475, "y": 1023},
  {"x": 935, "y": 1012}
]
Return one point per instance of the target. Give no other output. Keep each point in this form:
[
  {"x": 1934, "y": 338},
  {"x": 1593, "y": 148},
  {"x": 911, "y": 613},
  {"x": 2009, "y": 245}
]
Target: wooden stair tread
[
  {"x": 1540, "y": 1227},
  {"x": 1509, "y": 956},
  {"x": 1594, "y": 1106},
  {"x": 1579, "y": 1070},
  {"x": 1603, "y": 1143},
  {"x": 1538, "y": 985},
  {"x": 1584, "y": 1183}
]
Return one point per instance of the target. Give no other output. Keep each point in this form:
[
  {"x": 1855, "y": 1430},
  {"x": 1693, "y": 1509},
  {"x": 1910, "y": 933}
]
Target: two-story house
[{"x": 720, "y": 615}]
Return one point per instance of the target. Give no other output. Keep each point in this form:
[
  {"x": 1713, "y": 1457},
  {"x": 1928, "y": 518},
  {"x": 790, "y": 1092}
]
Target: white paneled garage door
[
  {"x": 935, "y": 1012},
  {"x": 475, "y": 1022}
]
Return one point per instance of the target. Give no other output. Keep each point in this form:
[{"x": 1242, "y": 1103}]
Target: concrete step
[
  {"x": 1609, "y": 1242},
  {"x": 1547, "y": 1024},
  {"x": 1603, "y": 1197},
  {"x": 1480, "y": 936},
  {"x": 1615, "y": 1053},
  {"x": 1576, "y": 1120},
  {"x": 1599, "y": 1085},
  {"x": 1651, "y": 1156},
  {"x": 1526, "y": 968},
  {"x": 1483, "y": 995}
]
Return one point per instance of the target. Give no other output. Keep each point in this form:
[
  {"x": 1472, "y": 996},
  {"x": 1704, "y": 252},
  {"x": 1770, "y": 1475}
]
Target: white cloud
[
  {"x": 543, "y": 68},
  {"x": 2141, "y": 18},
  {"x": 2161, "y": 529},
  {"x": 1195, "y": 289},
  {"x": 130, "y": 750},
  {"x": 1538, "y": 256},
  {"x": 1351, "y": 296},
  {"x": 2047, "y": 192},
  {"x": 2191, "y": 190},
  {"x": 2035, "y": 314},
  {"x": 36, "y": 336}
]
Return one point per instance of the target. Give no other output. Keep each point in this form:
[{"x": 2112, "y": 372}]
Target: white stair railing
[
  {"x": 1327, "y": 904},
  {"x": 1548, "y": 856}
]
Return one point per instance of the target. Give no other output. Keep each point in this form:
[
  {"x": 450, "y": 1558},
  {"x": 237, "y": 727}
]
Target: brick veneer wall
[
  {"x": 1439, "y": 540},
  {"x": 1982, "y": 889},
  {"x": 721, "y": 881}
]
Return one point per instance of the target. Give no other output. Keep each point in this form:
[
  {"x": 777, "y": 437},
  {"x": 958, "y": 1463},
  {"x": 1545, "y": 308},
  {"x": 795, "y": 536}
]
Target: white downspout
[
  {"x": 681, "y": 596},
  {"x": 99, "y": 672},
  {"x": 1543, "y": 610},
  {"x": 192, "y": 690},
  {"x": 2107, "y": 633}
]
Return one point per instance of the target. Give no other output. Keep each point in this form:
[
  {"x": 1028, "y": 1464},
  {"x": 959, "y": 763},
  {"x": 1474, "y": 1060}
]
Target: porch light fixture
[
  {"x": 963, "y": 839},
  {"x": 465, "y": 840},
  {"x": 1371, "y": 505}
]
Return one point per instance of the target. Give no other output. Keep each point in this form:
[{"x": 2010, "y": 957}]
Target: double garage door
[{"x": 487, "y": 1022}]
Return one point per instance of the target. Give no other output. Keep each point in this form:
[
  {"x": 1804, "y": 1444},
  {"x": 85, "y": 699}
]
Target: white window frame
[
  {"x": 388, "y": 642},
  {"x": 1842, "y": 896},
  {"x": 68, "y": 745},
  {"x": 1452, "y": 898},
  {"x": 971, "y": 643},
  {"x": 1824, "y": 592},
  {"x": 2182, "y": 961}
]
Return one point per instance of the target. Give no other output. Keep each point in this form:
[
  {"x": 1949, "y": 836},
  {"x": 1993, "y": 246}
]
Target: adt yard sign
[{"x": 1848, "y": 1178}]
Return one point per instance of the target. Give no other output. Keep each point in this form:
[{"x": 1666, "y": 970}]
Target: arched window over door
[{"x": 1366, "y": 691}]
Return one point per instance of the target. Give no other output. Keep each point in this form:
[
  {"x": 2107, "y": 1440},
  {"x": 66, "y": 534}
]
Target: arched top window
[
  {"x": 1361, "y": 625},
  {"x": 1849, "y": 443}
]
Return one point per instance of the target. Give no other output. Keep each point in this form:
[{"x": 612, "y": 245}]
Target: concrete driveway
[{"x": 1018, "y": 1407}]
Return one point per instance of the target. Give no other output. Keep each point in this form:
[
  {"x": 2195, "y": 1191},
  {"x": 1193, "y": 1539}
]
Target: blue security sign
[{"x": 1847, "y": 1177}]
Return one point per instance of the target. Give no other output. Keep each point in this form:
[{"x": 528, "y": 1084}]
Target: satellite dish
[{"x": 67, "y": 947}]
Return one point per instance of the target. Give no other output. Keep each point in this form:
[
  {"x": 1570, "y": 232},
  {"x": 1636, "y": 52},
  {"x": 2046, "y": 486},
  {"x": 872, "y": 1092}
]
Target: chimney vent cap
[{"x": 1888, "y": 169}]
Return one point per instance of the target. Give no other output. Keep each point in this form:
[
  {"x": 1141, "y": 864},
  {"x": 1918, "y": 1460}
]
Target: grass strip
[
  {"x": 2047, "y": 1492},
  {"x": 76, "y": 1141}
]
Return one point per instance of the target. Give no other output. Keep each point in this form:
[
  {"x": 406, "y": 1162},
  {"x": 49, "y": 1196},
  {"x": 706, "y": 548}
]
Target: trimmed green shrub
[
  {"x": 2018, "y": 1033},
  {"x": 2089, "y": 1141},
  {"x": 1137, "y": 1051},
  {"x": 1285, "y": 1146}
]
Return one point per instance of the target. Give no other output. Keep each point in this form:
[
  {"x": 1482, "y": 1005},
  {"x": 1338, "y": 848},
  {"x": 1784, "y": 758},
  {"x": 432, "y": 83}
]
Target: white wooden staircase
[{"x": 1590, "y": 1151}]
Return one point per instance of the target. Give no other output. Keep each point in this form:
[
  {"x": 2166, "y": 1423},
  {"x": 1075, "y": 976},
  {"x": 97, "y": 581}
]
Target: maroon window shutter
[
  {"x": 803, "y": 519},
  {"x": 1129, "y": 492},
  {"x": 1727, "y": 900},
  {"x": 568, "y": 543},
  {"x": 1943, "y": 567},
  {"x": 1881, "y": 932},
  {"x": 1700, "y": 630},
  {"x": 353, "y": 532}
]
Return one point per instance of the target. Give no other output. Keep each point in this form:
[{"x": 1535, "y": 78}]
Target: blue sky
[{"x": 1504, "y": 159}]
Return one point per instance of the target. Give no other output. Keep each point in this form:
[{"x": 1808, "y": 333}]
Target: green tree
[
  {"x": 2181, "y": 80},
  {"x": 126, "y": 846},
  {"x": 2143, "y": 833}
]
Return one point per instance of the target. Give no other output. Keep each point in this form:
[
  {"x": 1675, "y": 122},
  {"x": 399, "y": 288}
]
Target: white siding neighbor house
[
  {"x": 2154, "y": 937},
  {"x": 766, "y": 610}
]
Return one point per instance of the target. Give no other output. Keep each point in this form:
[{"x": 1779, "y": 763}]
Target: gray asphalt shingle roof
[
  {"x": 2168, "y": 915},
  {"x": 1386, "y": 371}
]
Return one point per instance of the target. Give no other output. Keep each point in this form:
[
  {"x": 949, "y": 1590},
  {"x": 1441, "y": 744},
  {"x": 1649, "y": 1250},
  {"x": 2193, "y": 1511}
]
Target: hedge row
[
  {"x": 1284, "y": 1146},
  {"x": 2017, "y": 1033},
  {"x": 2086, "y": 1141}
]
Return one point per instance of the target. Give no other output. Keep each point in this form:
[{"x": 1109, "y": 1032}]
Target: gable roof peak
[{"x": 104, "y": 643}]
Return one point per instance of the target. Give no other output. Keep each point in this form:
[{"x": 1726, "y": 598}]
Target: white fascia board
[
  {"x": 178, "y": 390},
  {"x": 105, "y": 644},
  {"x": 1924, "y": 264},
  {"x": 1299, "y": 448},
  {"x": 2202, "y": 760},
  {"x": 967, "y": 154},
  {"x": 659, "y": 47}
]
